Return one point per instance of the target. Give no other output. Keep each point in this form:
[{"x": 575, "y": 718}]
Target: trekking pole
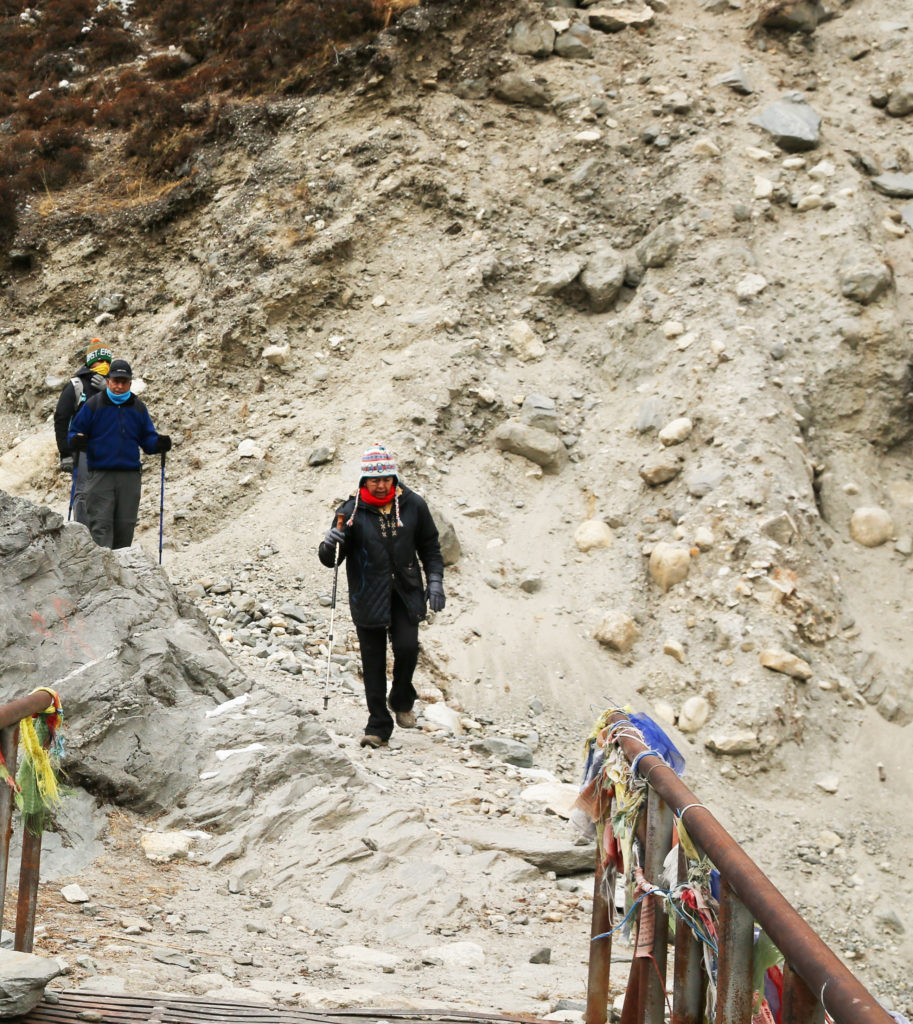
[
  {"x": 326, "y": 682},
  {"x": 73, "y": 488},
  {"x": 162, "y": 510}
]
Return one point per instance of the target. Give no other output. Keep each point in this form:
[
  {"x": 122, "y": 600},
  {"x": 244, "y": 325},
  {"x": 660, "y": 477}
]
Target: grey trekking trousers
[
  {"x": 79, "y": 491},
  {"x": 112, "y": 504}
]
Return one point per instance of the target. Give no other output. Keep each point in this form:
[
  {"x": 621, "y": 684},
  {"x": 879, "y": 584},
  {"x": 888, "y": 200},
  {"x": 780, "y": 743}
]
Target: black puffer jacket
[
  {"x": 381, "y": 556},
  {"x": 67, "y": 407}
]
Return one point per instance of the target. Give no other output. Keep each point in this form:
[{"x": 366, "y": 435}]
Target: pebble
[
  {"x": 617, "y": 631},
  {"x": 669, "y": 564}
]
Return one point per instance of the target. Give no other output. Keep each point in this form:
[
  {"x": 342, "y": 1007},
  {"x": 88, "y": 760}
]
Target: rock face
[{"x": 130, "y": 658}]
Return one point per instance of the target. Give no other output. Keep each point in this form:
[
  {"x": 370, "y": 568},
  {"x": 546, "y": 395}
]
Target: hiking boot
[
  {"x": 370, "y": 740},
  {"x": 405, "y": 719}
]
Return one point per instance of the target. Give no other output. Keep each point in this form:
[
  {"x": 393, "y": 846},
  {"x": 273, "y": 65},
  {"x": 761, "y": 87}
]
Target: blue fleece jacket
[{"x": 115, "y": 432}]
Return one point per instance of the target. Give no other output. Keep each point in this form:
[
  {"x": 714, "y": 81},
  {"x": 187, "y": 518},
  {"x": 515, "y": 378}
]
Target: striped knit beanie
[{"x": 375, "y": 462}]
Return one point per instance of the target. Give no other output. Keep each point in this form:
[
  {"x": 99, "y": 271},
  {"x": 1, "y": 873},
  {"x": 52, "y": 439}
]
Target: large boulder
[
  {"x": 130, "y": 658},
  {"x": 539, "y": 446},
  {"x": 23, "y": 977}
]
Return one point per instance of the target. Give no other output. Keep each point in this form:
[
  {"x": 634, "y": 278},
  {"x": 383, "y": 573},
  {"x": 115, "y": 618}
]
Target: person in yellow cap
[{"x": 90, "y": 379}]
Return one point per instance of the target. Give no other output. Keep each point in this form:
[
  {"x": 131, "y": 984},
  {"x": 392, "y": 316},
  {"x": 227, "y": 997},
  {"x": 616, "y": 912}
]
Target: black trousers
[{"x": 373, "y": 642}]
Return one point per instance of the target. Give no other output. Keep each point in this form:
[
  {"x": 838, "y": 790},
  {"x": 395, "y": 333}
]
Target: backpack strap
[{"x": 78, "y": 390}]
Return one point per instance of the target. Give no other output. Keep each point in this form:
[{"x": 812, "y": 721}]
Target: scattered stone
[
  {"x": 277, "y": 355},
  {"x": 456, "y": 955},
  {"x": 888, "y": 919},
  {"x": 650, "y": 416},
  {"x": 900, "y": 102},
  {"x": 660, "y": 468},
  {"x": 736, "y": 79},
  {"x": 603, "y": 277},
  {"x": 250, "y": 449},
  {"x": 895, "y": 184},
  {"x": 321, "y": 456},
  {"x": 788, "y": 664},
  {"x": 669, "y": 564},
  {"x": 792, "y": 122},
  {"x": 749, "y": 286},
  {"x": 526, "y": 344},
  {"x": 703, "y": 538},
  {"x": 135, "y": 924},
  {"x": 576, "y": 43},
  {"x": 660, "y": 245},
  {"x": 561, "y": 275},
  {"x": 531, "y": 584},
  {"x": 532, "y": 38},
  {"x": 828, "y": 783},
  {"x": 701, "y": 480},
  {"x": 674, "y": 650},
  {"x": 742, "y": 742},
  {"x": 871, "y": 526},
  {"x": 543, "y": 955},
  {"x": 615, "y": 19},
  {"x": 802, "y": 16},
  {"x": 517, "y": 88},
  {"x": 23, "y": 977},
  {"x": 617, "y": 631},
  {"x": 540, "y": 412},
  {"x": 539, "y": 446},
  {"x": 705, "y": 147},
  {"x": 676, "y": 431},
  {"x": 161, "y": 847},
  {"x": 780, "y": 528},
  {"x": 694, "y": 714},
  {"x": 440, "y": 714},
  {"x": 511, "y": 751},
  {"x": 864, "y": 277},
  {"x": 593, "y": 533},
  {"x": 74, "y": 894}
]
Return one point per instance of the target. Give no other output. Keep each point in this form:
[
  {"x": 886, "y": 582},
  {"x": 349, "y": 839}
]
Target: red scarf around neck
[{"x": 378, "y": 502}]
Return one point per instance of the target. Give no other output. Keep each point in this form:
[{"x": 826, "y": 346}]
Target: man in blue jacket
[{"x": 111, "y": 428}]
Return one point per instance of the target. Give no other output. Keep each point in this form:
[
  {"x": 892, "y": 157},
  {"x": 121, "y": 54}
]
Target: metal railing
[
  {"x": 815, "y": 981},
  {"x": 30, "y": 862}
]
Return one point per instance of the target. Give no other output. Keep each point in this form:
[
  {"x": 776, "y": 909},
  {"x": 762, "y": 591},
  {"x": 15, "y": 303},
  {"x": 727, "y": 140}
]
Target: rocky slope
[{"x": 651, "y": 360}]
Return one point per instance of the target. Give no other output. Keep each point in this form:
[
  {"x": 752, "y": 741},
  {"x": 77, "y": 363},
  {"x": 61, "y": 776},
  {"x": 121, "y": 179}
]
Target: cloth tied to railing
[{"x": 38, "y": 792}]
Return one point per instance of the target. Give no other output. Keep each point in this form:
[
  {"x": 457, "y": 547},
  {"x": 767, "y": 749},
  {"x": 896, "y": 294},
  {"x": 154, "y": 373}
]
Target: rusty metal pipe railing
[
  {"x": 597, "y": 986},
  {"x": 15, "y": 711},
  {"x": 844, "y": 998}
]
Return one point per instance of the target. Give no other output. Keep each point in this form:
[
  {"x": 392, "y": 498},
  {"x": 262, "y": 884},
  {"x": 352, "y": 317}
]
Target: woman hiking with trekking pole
[{"x": 387, "y": 531}]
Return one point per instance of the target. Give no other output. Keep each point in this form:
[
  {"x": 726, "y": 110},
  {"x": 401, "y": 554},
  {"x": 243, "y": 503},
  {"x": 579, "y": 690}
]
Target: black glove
[
  {"x": 163, "y": 444},
  {"x": 334, "y": 536},
  {"x": 66, "y": 463},
  {"x": 98, "y": 382},
  {"x": 435, "y": 594},
  {"x": 79, "y": 442}
]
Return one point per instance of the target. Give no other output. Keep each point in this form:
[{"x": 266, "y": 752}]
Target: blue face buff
[{"x": 118, "y": 399}]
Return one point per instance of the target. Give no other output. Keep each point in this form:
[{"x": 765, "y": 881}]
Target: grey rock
[
  {"x": 539, "y": 446},
  {"x": 703, "y": 479},
  {"x": 603, "y": 277},
  {"x": 505, "y": 749},
  {"x": 780, "y": 528},
  {"x": 577, "y": 42},
  {"x": 650, "y": 415},
  {"x": 293, "y": 611},
  {"x": 531, "y": 584},
  {"x": 521, "y": 89},
  {"x": 543, "y": 955},
  {"x": 560, "y": 275},
  {"x": 540, "y": 411},
  {"x": 895, "y": 184},
  {"x": 660, "y": 245},
  {"x": 907, "y": 213},
  {"x": 736, "y": 79},
  {"x": 112, "y": 303},
  {"x": 168, "y": 666},
  {"x": 792, "y": 123},
  {"x": 320, "y": 456},
  {"x": 23, "y": 977},
  {"x": 864, "y": 277},
  {"x": 543, "y": 851},
  {"x": 451, "y": 549},
  {"x": 532, "y": 38},
  {"x": 889, "y": 919},
  {"x": 900, "y": 102}
]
